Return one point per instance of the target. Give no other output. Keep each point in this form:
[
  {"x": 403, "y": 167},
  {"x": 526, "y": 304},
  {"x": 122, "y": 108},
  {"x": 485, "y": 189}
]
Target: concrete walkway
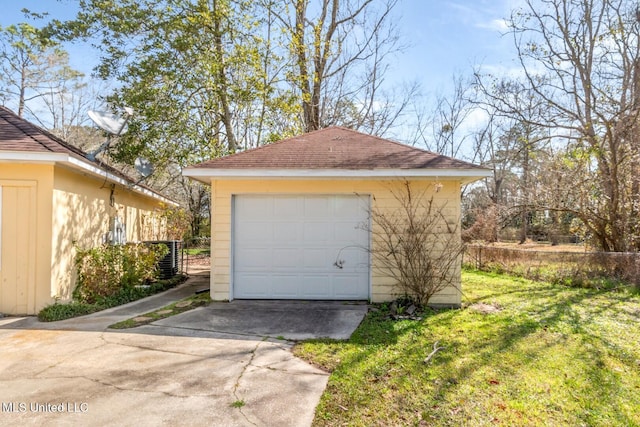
[
  {"x": 78, "y": 372},
  {"x": 198, "y": 280}
]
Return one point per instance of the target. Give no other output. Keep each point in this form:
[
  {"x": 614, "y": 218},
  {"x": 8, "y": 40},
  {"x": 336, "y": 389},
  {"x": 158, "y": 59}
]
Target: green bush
[
  {"x": 59, "y": 311},
  {"x": 107, "y": 270}
]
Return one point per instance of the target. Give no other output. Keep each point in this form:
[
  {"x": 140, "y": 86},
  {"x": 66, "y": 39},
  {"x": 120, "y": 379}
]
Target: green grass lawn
[
  {"x": 197, "y": 251},
  {"x": 550, "y": 356}
]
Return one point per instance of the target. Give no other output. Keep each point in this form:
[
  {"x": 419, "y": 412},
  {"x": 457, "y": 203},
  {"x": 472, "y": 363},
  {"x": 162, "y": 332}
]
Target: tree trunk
[{"x": 222, "y": 82}]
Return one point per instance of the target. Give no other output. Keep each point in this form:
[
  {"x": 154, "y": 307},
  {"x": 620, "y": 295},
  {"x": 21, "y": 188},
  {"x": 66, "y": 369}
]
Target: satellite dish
[
  {"x": 111, "y": 124},
  {"x": 143, "y": 166}
]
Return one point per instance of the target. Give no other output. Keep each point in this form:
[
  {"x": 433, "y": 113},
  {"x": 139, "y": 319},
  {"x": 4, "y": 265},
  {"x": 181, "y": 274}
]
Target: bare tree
[
  {"x": 449, "y": 116},
  {"x": 340, "y": 51},
  {"x": 581, "y": 58},
  {"x": 31, "y": 68},
  {"x": 416, "y": 244}
]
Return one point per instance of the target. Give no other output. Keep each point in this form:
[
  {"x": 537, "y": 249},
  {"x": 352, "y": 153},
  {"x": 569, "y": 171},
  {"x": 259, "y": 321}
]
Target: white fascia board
[
  {"x": 466, "y": 175},
  {"x": 76, "y": 163},
  {"x": 95, "y": 170},
  {"x": 28, "y": 157}
]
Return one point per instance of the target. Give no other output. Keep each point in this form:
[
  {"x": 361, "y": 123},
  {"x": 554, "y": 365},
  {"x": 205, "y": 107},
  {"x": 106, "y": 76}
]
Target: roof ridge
[{"x": 385, "y": 140}]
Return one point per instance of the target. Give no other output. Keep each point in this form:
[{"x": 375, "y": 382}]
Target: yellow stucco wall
[
  {"x": 25, "y": 233},
  {"x": 83, "y": 207},
  {"x": 382, "y": 287},
  {"x": 46, "y": 211}
]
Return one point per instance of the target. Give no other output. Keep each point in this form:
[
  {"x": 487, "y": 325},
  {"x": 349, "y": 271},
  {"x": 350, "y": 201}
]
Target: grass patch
[
  {"x": 238, "y": 404},
  {"x": 58, "y": 311},
  {"x": 548, "y": 355},
  {"x": 177, "y": 307},
  {"x": 197, "y": 251}
]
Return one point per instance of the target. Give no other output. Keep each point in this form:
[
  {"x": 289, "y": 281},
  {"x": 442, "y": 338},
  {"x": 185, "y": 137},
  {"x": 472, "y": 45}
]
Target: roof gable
[{"x": 336, "y": 148}]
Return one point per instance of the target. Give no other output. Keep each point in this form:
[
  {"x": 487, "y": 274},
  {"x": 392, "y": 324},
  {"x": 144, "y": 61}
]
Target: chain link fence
[
  {"x": 569, "y": 266},
  {"x": 196, "y": 255}
]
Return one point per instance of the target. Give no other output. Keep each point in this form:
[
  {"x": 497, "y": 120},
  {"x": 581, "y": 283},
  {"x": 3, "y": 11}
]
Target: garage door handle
[{"x": 339, "y": 263}]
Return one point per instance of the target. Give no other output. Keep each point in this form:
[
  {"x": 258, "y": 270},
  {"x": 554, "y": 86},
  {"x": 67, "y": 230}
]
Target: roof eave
[
  {"x": 78, "y": 164},
  {"x": 464, "y": 175}
]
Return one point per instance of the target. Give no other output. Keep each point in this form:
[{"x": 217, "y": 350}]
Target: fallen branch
[{"x": 435, "y": 350}]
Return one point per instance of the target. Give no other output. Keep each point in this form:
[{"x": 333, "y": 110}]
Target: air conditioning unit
[{"x": 171, "y": 264}]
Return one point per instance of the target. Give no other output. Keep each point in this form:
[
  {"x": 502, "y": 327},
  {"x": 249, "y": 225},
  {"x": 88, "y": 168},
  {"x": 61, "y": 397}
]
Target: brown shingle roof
[
  {"x": 335, "y": 148},
  {"x": 19, "y": 135}
]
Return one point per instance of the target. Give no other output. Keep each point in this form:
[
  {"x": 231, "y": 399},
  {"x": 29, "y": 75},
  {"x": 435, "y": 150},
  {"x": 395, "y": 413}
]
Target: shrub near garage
[{"x": 108, "y": 270}]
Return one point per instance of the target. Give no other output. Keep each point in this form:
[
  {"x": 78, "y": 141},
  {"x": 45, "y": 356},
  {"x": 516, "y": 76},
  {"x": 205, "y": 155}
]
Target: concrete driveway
[{"x": 200, "y": 368}]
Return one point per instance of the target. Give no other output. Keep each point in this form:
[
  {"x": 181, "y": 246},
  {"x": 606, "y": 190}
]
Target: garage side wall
[
  {"x": 381, "y": 192},
  {"x": 84, "y": 208}
]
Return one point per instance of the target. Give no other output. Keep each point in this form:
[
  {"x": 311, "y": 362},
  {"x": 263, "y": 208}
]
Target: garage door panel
[
  {"x": 317, "y": 207},
  {"x": 285, "y": 208},
  {"x": 347, "y": 231},
  {"x": 348, "y": 286},
  {"x": 316, "y": 258},
  {"x": 256, "y": 231},
  {"x": 284, "y": 286},
  {"x": 286, "y": 232},
  {"x": 344, "y": 206},
  {"x": 317, "y": 232},
  {"x": 252, "y": 258},
  {"x": 254, "y": 208},
  {"x": 352, "y": 259},
  {"x": 286, "y": 258},
  {"x": 298, "y": 240},
  {"x": 251, "y": 285},
  {"x": 316, "y": 287}
]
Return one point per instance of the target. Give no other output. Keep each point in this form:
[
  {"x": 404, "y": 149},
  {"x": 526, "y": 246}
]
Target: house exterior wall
[
  {"x": 83, "y": 208},
  {"x": 25, "y": 237},
  {"x": 382, "y": 198}
]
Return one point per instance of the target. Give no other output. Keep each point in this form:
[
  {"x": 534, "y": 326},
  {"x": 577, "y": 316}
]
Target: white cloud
[{"x": 499, "y": 25}]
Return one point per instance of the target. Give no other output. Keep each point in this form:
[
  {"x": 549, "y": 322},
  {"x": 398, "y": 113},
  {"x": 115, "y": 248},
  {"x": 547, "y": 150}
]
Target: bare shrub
[
  {"x": 416, "y": 244},
  {"x": 485, "y": 227}
]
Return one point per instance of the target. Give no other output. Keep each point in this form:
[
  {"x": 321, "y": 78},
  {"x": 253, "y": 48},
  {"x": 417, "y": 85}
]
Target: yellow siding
[
  {"x": 83, "y": 209},
  {"x": 382, "y": 287}
]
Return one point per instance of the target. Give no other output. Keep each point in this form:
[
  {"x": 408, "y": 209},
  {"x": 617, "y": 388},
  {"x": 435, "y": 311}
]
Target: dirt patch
[
  {"x": 541, "y": 247},
  {"x": 483, "y": 308}
]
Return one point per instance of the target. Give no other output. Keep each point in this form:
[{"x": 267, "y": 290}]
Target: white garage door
[{"x": 301, "y": 247}]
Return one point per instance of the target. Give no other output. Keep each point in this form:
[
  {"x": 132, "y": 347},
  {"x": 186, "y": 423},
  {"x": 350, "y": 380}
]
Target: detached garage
[{"x": 291, "y": 220}]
